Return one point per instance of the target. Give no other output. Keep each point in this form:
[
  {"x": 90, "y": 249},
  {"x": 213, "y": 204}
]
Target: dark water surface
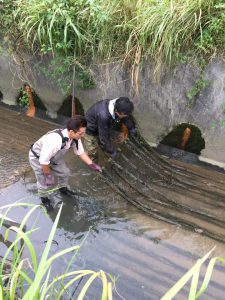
[{"x": 146, "y": 255}]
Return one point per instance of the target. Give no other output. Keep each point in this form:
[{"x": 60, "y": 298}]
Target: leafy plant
[
  {"x": 213, "y": 32},
  {"x": 59, "y": 70},
  {"x": 34, "y": 281},
  {"x": 193, "y": 274},
  {"x": 23, "y": 100},
  {"x": 196, "y": 90}
]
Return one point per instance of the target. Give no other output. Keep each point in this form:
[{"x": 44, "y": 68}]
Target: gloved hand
[
  {"x": 49, "y": 179},
  {"x": 113, "y": 155},
  {"x": 95, "y": 167},
  {"x": 133, "y": 131}
]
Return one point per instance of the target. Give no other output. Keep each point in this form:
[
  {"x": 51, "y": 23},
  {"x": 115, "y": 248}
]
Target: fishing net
[{"x": 169, "y": 190}]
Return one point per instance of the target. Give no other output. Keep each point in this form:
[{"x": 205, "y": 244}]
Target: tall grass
[
  {"x": 166, "y": 31},
  {"x": 168, "y": 28},
  {"x": 27, "y": 278}
]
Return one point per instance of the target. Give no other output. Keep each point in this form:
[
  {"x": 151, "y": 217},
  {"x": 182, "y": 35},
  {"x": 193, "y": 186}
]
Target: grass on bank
[
  {"x": 166, "y": 31},
  {"x": 27, "y": 278}
]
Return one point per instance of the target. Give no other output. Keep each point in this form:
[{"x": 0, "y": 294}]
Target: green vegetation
[
  {"x": 196, "y": 90},
  {"x": 193, "y": 274},
  {"x": 166, "y": 31},
  {"x": 27, "y": 278},
  {"x": 23, "y": 100},
  {"x": 59, "y": 72}
]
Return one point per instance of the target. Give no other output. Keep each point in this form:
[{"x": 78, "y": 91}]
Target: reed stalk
[{"x": 27, "y": 278}]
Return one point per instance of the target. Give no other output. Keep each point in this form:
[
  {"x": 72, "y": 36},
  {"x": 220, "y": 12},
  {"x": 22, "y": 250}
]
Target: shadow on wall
[
  {"x": 185, "y": 137},
  {"x": 29, "y": 103},
  {"x": 27, "y": 98},
  {"x": 67, "y": 109}
]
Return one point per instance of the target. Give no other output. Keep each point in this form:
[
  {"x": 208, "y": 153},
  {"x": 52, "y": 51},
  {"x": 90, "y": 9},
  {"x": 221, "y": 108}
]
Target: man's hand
[
  {"x": 95, "y": 167},
  {"x": 49, "y": 179}
]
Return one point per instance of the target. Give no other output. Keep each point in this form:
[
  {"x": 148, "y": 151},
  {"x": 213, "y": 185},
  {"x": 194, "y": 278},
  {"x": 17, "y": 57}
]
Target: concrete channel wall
[{"x": 159, "y": 105}]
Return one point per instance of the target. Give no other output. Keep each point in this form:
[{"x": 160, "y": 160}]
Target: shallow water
[{"x": 145, "y": 254}]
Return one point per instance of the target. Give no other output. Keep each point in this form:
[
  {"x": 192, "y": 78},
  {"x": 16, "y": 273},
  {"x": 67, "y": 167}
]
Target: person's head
[
  {"x": 76, "y": 127},
  {"x": 123, "y": 107}
]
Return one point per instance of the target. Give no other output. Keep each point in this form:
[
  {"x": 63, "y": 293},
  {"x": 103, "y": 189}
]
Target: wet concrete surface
[
  {"x": 17, "y": 133},
  {"x": 146, "y": 254}
]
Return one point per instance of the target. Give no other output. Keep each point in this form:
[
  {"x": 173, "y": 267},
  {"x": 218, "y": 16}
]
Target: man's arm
[
  {"x": 49, "y": 178},
  {"x": 85, "y": 158},
  {"x": 51, "y": 145}
]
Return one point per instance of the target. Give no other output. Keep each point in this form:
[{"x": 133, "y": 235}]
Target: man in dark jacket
[{"x": 101, "y": 117}]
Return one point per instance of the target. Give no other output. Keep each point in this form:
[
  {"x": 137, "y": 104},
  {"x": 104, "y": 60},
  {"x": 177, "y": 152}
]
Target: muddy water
[{"x": 145, "y": 254}]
